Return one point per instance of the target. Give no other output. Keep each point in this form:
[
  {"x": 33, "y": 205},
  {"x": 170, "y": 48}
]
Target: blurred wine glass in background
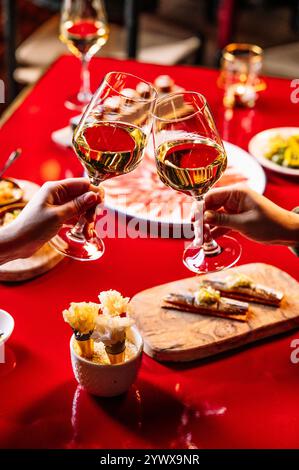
[
  {"x": 241, "y": 65},
  {"x": 84, "y": 29}
]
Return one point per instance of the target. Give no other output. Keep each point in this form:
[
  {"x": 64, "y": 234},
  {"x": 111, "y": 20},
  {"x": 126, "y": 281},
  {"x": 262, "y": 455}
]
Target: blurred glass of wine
[{"x": 84, "y": 29}]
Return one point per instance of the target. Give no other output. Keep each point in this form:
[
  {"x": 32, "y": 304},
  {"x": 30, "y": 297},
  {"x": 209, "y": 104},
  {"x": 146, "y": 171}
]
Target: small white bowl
[
  {"x": 107, "y": 380},
  {"x": 7, "y": 325}
]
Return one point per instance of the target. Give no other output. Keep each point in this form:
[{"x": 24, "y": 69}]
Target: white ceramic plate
[
  {"x": 243, "y": 163},
  {"x": 7, "y": 325},
  {"x": 141, "y": 194},
  {"x": 258, "y": 146},
  {"x": 132, "y": 194}
]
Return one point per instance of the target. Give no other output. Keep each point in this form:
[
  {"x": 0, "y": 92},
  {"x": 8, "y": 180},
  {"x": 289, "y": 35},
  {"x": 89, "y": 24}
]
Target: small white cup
[
  {"x": 106, "y": 380},
  {"x": 7, "y": 325}
]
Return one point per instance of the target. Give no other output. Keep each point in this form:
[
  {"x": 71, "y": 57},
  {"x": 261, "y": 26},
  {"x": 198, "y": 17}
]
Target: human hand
[
  {"x": 251, "y": 214},
  {"x": 55, "y": 203}
]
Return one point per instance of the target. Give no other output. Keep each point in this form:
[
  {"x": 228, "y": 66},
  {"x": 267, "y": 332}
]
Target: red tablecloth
[{"x": 244, "y": 399}]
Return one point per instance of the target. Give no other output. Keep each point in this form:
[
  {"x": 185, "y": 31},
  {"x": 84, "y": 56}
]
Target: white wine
[
  {"x": 191, "y": 166},
  {"x": 109, "y": 149}
]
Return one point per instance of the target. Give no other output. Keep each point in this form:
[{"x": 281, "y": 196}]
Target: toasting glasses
[
  {"x": 190, "y": 158},
  {"x": 109, "y": 141},
  {"x": 84, "y": 29}
]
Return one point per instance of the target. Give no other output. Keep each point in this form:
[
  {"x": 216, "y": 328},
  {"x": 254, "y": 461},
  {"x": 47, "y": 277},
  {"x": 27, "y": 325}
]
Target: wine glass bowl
[
  {"x": 190, "y": 158},
  {"x": 111, "y": 137},
  {"x": 109, "y": 141},
  {"x": 84, "y": 30}
]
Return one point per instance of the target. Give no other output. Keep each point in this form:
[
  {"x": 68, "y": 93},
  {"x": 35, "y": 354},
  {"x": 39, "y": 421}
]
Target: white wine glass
[
  {"x": 84, "y": 29},
  {"x": 109, "y": 141},
  {"x": 190, "y": 158}
]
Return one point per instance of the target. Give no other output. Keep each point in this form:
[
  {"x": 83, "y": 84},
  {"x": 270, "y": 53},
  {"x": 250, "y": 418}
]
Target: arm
[
  {"x": 8, "y": 244},
  {"x": 54, "y": 204}
]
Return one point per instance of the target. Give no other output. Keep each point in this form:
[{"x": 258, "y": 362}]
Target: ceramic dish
[
  {"x": 106, "y": 380},
  {"x": 259, "y": 145},
  {"x": 7, "y": 325}
]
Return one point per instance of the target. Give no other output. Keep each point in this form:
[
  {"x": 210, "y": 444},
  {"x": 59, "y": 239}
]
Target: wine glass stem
[
  {"x": 84, "y": 93},
  {"x": 78, "y": 229},
  {"x": 198, "y": 221}
]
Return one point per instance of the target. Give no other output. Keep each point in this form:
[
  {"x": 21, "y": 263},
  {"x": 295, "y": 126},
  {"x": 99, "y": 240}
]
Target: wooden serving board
[
  {"x": 42, "y": 261},
  {"x": 23, "y": 269},
  {"x": 171, "y": 335}
]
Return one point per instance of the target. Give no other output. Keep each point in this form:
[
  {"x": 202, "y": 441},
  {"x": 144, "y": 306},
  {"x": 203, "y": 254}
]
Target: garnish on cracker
[
  {"x": 207, "y": 301},
  {"x": 242, "y": 287}
]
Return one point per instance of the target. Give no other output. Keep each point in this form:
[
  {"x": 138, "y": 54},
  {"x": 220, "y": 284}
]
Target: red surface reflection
[{"x": 247, "y": 398}]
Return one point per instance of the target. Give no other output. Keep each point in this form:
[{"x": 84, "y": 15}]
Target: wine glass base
[
  {"x": 76, "y": 103},
  {"x": 80, "y": 249},
  {"x": 200, "y": 261}
]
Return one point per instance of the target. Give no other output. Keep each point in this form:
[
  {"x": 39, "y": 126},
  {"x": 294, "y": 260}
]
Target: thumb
[
  {"x": 222, "y": 219},
  {"x": 79, "y": 205}
]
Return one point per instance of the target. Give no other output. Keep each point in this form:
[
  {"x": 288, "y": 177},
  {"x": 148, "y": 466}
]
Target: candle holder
[{"x": 241, "y": 65}]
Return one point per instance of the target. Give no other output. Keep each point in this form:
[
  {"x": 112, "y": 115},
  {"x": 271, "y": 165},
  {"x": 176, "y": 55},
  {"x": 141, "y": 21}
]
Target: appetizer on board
[
  {"x": 207, "y": 301},
  {"x": 242, "y": 287}
]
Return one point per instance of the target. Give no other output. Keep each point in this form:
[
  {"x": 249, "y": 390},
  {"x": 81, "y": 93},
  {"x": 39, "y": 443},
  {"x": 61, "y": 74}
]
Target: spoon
[{"x": 11, "y": 159}]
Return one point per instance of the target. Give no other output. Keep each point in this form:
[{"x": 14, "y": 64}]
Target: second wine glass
[
  {"x": 190, "y": 158},
  {"x": 109, "y": 141}
]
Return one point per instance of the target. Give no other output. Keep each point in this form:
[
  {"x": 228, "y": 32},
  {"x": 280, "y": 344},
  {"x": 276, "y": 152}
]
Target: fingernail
[
  {"x": 90, "y": 198},
  {"x": 209, "y": 216}
]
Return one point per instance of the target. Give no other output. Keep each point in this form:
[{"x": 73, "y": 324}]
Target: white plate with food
[
  {"x": 7, "y": 325},
  {"x": 277, "y": 149},
  {"x": 141, "y": 194}
]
